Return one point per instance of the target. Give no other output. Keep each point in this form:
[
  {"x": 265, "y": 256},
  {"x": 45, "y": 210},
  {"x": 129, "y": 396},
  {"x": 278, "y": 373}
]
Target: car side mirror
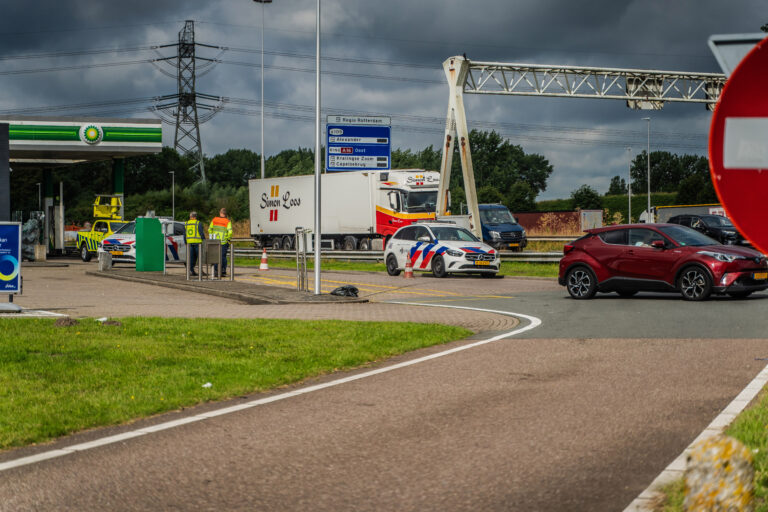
[{"x": 658, "y": 244}]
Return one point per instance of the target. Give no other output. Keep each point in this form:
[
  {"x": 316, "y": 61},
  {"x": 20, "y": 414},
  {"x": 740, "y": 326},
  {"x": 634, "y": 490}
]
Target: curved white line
[{"x": 51, "y": 454}]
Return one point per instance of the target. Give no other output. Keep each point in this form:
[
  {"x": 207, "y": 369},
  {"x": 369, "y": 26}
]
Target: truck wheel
[
  {"x": 84, "y": 254},
  {"x": 392, "y": 266},
  {"x": 365, "y": 244},
  {"x": 287, "y": 243},
  {"x": 438, "y": 266},
  {"x": 349, "y": 243},
  {"x": 276, "y": 242}
]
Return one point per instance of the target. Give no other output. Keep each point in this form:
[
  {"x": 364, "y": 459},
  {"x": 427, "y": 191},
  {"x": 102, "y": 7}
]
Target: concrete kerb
[{"x": 222, "y": 288}]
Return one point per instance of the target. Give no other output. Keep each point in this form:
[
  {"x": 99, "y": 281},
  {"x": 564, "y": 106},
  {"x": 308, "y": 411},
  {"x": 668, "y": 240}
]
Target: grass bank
[
  {"x": 751, "y": 428},
  {"x": 59, "y": 380},
  {"x": 508, "y": 268}
]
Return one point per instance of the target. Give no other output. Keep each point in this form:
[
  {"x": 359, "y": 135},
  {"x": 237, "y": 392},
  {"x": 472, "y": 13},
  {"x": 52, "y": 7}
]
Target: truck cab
[{"x": 500, "y": 229}]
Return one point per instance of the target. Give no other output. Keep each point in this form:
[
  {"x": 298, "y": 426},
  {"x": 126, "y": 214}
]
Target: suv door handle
[{"x": 631, "y": 252}]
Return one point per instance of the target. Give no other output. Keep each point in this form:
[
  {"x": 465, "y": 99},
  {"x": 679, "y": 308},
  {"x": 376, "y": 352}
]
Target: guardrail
[{"x": 378, "y": 256}]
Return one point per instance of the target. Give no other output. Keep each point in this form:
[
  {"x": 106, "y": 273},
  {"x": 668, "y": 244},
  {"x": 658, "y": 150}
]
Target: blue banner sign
[
  {"x": 358, "y": 148},
  {"x": 10, "y": 257}
]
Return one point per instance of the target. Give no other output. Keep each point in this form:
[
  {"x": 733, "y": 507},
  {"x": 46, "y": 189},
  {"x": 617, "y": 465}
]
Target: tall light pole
[
  {"x": 317, "y": 153},
  {"x": 629, "y": 186},
  {"x": 39, "y": 198},
  {"x": 262, "y": 2},
  {"x": 173, "y": 194},
  {"x": 648, "y": 157}
]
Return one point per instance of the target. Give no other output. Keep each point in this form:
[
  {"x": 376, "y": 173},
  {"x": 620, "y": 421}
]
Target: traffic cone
[
  {"x": 264, "y": 265},
  {"x": 408, "y": 269}
]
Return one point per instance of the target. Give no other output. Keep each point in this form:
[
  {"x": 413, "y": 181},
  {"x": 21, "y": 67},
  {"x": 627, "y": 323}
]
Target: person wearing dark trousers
[
  {"x": 193, "y": 237},
  {"x": 221, "y": 229}
]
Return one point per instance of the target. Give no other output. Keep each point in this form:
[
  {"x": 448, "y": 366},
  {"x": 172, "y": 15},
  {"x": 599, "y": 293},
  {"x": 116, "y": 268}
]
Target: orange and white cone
[
  {"x": 408, "y": 269},
  {"x": 264, "y": 265}
]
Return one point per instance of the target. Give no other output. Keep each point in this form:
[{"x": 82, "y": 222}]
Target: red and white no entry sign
[{"x": 738, "y": 146}]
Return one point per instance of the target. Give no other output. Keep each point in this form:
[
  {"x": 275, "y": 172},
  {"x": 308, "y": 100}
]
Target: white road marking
[
  {"x": 676, "y": 469},
  {"x": 51, "y": 454}
]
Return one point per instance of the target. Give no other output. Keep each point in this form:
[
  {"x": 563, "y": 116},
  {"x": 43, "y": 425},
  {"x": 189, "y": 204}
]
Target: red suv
[{"x": 661, "y": 258}]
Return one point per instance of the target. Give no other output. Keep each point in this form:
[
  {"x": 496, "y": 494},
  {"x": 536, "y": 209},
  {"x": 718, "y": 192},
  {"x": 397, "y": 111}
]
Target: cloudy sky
[{"x": 92, "y": 58}]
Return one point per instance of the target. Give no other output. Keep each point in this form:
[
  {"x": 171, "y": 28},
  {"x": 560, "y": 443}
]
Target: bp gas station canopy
[{"x": 50, "y": 142}]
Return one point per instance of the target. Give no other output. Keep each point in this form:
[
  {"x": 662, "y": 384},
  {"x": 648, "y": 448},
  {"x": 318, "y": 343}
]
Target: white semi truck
[{"x": 359, "y": 210}]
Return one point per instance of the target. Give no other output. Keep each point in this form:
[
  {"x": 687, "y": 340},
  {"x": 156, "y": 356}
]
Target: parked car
[
  {"x": 627, "y": 259},
  {"x": 440, "y": 247},
  {"x": 122, "y": 244},
  {"x": 714, "y": 226}
]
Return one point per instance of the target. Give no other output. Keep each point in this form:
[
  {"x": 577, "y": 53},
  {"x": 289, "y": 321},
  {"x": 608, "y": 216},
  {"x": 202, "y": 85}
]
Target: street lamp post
[
  {"x": 39, "y": 198},
  {"x": 173, "y": 194},
  {"x": 648, "y": 157},
  {"x": 629, "y": 186},
  {"x": 262, "y": 2},
  {"x": 317, "y": 153}
]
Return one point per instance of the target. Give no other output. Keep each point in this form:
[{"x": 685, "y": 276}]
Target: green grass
[
  {"x": 751, "y": 428},
  {"x": 58, "y": 380},
  {"x": 508, "y": 268}
]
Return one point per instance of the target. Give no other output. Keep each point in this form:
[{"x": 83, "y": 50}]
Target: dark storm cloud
[{"x": 586, "y": 140}]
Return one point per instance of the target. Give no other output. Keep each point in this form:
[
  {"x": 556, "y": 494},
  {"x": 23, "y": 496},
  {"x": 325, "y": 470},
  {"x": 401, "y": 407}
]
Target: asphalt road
[{"x": 580, "y": 413}]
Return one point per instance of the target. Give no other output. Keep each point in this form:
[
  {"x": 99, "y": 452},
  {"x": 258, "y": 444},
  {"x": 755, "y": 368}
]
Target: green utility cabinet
[{"x": 150, "y": 245}]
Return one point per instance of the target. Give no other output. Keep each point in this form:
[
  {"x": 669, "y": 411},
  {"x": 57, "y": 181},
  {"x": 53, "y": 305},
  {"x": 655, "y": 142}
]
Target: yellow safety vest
[{"x": 194, "y": 236}]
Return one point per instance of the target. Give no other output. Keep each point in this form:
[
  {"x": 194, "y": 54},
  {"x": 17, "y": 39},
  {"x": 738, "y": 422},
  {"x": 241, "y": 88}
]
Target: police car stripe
[{"x": 427, "y": 255}]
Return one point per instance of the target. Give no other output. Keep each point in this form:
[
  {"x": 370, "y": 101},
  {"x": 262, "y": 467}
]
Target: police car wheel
[
  {"x": 438, "y": 266},
  {"x": 84, "y": 254},
  {"x": 392, "y": 266}
]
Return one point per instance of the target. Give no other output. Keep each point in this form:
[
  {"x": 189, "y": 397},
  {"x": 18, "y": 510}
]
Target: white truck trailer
[{"x": 359, "y": 210}]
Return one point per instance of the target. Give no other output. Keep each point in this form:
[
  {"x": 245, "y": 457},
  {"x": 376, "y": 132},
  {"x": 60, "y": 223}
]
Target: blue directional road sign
[
  {"x": 10, "y": 257},
  {"x": 358, "y": 148}
]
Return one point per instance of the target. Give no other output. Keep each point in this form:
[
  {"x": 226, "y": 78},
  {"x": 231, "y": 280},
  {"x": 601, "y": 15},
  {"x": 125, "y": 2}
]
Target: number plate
[
  {"x": 482, "y": 263},
  {"x": 759, "y": 276},
  {"x": 116, "y": 253}
]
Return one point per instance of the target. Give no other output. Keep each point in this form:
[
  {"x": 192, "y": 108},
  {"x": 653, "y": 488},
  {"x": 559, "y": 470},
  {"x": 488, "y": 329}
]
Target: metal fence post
[
  {"x": 231, "y": 261},
  {"x": 186, "y": 265}
]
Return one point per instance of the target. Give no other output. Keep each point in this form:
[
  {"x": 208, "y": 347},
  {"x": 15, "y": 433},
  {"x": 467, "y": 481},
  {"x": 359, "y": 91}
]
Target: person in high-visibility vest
[
  {"x": 193, "y": 237},
  {"x": 221, "y": 229}
]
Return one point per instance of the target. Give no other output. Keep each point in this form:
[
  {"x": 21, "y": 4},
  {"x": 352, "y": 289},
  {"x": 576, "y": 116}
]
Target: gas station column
[
  {"x": 5, "y": 175},
  {"x": 118, "y": 182}
]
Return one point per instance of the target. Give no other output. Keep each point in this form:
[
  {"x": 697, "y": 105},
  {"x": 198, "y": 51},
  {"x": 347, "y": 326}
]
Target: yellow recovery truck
[{"x": 107, "y": 220}]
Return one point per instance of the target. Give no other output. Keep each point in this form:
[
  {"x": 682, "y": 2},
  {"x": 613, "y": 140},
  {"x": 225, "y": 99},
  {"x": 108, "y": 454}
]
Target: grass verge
[
  {"x": 751, "y": 428},
  {"x": 59, "y": 380},
  {"x": 508, "y": 268}
]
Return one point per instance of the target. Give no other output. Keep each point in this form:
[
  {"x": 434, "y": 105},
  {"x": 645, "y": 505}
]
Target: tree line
[{"x": 504, "y": 173}]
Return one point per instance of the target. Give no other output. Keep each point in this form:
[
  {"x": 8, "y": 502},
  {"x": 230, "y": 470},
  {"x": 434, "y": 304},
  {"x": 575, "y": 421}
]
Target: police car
[
  {"x": 442, "y": 248},
  {"x": 122, "y": 244}
]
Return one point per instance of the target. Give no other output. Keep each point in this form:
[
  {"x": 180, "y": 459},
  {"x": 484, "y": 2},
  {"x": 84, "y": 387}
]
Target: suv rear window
[{"x": 616, "y": 237}]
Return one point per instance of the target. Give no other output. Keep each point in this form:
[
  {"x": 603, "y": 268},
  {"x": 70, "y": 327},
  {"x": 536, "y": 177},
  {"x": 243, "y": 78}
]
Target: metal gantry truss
[{"x": 640, "y": 89}]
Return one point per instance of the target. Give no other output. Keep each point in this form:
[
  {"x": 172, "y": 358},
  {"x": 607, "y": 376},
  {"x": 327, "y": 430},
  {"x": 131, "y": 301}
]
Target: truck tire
[
  {"x": 349, "y": 243},
  {"x": 287, "y": 243},
  {"x": 365, "y": 244},
  {"x": 85, "y": 255},
  {"x": 276, "y": 243}
]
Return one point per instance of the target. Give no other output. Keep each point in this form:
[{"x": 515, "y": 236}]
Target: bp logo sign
[{"x": 91, "y": 134}]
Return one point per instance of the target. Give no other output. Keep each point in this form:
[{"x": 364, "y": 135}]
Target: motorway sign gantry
[
  {"x": 358, "y": 143},
  {"x": 738, "y": 146}
]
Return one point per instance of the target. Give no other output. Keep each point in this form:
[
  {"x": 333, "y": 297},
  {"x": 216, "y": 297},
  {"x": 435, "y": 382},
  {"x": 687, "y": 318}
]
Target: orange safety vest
[{"x": 220, "y": 229}]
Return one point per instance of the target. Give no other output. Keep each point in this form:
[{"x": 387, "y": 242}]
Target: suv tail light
[{"x": 568, "y": 248}]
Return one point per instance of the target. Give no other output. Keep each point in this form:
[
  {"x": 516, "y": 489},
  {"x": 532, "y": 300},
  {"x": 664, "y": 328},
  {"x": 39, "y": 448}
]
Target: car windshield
[
  {"x": 117, "y": 225},
  {"x": 717, "y": 221},
  {"x": 446, "y": 233},
  {"x": 687, "y": 236},
  {"x": 421, "y": 201},
  {"x": 496, "y": 216},
  {"x": 127, "y": 229}
]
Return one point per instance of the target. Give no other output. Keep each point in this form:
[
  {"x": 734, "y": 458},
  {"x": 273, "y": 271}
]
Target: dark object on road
[
  {"x": 627, "y": 259},
  {"x": 345, "y": 291},
  {"x": 65, "y": 322}
]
